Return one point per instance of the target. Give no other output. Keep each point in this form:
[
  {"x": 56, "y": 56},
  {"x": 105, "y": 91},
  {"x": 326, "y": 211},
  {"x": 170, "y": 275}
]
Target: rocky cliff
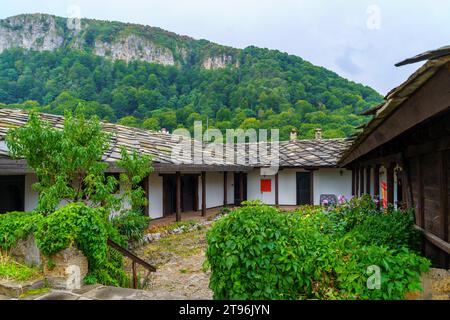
[{"x": 113, "y": 40}]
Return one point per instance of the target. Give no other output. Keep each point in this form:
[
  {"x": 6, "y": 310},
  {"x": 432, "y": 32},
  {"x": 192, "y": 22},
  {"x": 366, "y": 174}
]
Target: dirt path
[{"x": 179, "y": 260}]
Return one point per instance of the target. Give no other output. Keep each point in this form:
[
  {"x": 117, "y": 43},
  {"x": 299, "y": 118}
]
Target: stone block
[
  {"x": 27, "y": 252},
  {"x": 66, "y": 270}
]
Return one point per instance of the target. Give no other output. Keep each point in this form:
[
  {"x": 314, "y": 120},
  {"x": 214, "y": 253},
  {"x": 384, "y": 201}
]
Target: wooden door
[{"x": 304, "y": 185}]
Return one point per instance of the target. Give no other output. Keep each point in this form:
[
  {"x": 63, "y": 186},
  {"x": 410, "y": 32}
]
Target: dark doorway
[
  {"x": 189, "y": 194},
  {"x": 304, "y": 188},
  {"x": 12, "y": 193},
  {"x": 237, "y": 188}
]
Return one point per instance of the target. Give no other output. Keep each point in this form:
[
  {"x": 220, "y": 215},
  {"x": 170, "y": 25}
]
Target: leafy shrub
[
  {"x": 400, "y": 271},
  {"x": 393, "y": 228},
  {"x": 257, "y": 252},
  {"x": 88, "y": 229},
  {"x": 131, "y": 225},
  {"x": 352, "y": 213},
  {"x": 15, "y": 226}
]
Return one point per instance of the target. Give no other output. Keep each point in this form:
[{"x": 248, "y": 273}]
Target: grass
[
  {"x": 12, "y": 270},
  {"x": 172, "y": 246},
  {"x": 172, "y": 226},
  {"x": 34, "y": 292}
]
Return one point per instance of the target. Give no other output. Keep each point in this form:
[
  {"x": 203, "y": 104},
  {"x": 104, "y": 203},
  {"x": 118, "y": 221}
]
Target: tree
[
  {"x": 69, "y": 166},
  {"x": 129, "y": 121}
]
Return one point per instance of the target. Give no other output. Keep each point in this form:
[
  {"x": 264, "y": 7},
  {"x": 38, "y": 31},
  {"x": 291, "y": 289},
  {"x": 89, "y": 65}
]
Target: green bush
[
  {"x": 15, "y": 226},
  {"x": 257, "y": 252},
  {"x": 393, "y": 228},
  {"x": 89, "y": 230},
  {"x": 131, "y": 225},
  {"x": 400, "y": 271},
  {"x": 345, "y": 217}
]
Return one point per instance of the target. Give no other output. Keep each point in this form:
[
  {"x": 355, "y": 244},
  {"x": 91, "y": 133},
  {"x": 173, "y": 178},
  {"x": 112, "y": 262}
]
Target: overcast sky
[{"x": 359, "y": 39}]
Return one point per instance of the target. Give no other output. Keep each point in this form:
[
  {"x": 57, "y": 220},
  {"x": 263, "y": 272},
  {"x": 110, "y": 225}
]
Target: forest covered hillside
[{"x": 147, "y": 77}]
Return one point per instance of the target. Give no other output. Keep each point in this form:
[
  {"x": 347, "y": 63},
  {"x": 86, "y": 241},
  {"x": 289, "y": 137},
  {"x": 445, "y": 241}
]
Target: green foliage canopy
[{"x": 276, "y": 89}]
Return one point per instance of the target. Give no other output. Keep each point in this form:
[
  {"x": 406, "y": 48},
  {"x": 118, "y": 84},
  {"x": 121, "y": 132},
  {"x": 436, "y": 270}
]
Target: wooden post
[
  {"x": 225, "y": 189},
  {"x": 277, "y": 199},
  {"x": 241, "y": 188},
  {"x": 376, "y": 183},
  {"x": 178, "y": 196},
  {"x": 390, "y": 183},
  {"x": 444, "y": 195},
  {"x": 356, "y": 182},
  {"x": 368, "y": 178},
  {"x": 353, "y": 182},
  {"x": 144, "y": 185},
  {"x": 421, "y": 197},
  {"x": 203, "y": 194},
  {"x": 361, "y": 183},
  {"x": 135, "y": 279},
  {"x": 196, "y": 200}
]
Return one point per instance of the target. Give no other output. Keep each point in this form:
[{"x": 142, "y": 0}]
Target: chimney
[
  {"x": 318, "y": 134},
  {"x": 164, "y": 131},
  {"x": 294, "y": 134}
]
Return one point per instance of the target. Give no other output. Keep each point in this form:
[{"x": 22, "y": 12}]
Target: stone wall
[{"x": 65, "y": 270}]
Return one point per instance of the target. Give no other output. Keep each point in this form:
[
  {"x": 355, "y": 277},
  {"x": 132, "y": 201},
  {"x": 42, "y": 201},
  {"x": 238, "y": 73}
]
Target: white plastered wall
[
  {"x": 254, "y": 178},
  {"x": 214, "y": 190},
  {"x": 155, "y": 195},
  {"x": 31, "y": 196},
  {"x": 332, "y": 181}
]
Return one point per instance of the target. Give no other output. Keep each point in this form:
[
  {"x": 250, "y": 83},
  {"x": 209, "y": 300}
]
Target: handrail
[
  {"x": 135, "y": 259},
  {"x": 438, "y": 242}
]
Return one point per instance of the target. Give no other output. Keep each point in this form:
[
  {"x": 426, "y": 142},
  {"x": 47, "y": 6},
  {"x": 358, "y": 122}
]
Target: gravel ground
[{"x": 179, "y": 260}]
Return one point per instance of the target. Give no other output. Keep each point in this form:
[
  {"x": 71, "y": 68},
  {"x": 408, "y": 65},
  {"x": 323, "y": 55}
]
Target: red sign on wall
[{"x": 266, "y": 185}]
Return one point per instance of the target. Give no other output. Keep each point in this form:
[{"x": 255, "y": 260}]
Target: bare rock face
[
  {"x": 42, "y": 32},
  {"x": 217, "y": 62},
  {"x": 67, "y": 269},
  {"x": 135, "y": 48},
  {"x": 27, "y": 252},
  {"x": 36, "y": 32}
]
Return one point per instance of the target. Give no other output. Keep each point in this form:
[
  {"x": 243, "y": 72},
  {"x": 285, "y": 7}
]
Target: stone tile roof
[{"x": 299, "y": 153}]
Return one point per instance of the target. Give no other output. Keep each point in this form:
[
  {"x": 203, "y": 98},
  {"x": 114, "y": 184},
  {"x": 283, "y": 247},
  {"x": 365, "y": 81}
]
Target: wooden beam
[
  {"x": 241, "y": 188},
  {"x": 376, "y": 184},
  {"x": 144, "y": 184},
  {"x": 178, "y": 196},
  {"x": 277, "y": 198},
  {"x": 196, "y": 198},
  {"x": 438, "y": 242},
  {"x": 357, "y": 182},
  {"x": 421, "y": 197},
  {"x": 376, "y": 181},
  {"x": 390, "y": 183},
  {"x": 368, "y": 178},
  {"x": 203, "y": 194},
  {"x": 361, "y": 179},
  {"x": 225, "y": 189},
  {"x": 353, "y": 182},
  {"x": 311, "y": 200},
  {"x": 443, "y": 189}
]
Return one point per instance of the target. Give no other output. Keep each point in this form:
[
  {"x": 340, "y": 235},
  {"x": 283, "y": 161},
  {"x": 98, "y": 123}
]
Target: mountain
[{"x": 151, "y": 78}]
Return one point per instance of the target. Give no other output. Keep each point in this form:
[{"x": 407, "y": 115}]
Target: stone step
[{"x": 14, "y": 289}]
